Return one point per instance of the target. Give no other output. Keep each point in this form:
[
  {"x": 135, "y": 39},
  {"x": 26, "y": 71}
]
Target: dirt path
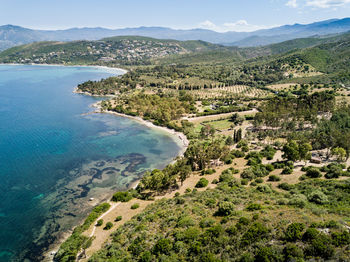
[
  {"x": 124, "y": 209},
  {"x": 214, "y": 117}
]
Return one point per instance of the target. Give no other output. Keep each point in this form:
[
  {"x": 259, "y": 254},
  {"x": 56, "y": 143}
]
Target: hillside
[
  {"x": 235, "y": 223},
  {"x": 137, "y": 50},
  {"x": 265, "y": 176},
  {"x": 11, "y": 35},
  {"x": 112, "y": 51}
]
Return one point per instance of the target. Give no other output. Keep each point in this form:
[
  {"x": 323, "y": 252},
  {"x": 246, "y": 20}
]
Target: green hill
[
  {"x": 235, "y": 223},
  {"x": 127, "y": 50}
]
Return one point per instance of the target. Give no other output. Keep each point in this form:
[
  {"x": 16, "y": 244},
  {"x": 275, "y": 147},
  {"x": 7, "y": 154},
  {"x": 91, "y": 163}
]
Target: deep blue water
[{"x": 46, "y": 141}]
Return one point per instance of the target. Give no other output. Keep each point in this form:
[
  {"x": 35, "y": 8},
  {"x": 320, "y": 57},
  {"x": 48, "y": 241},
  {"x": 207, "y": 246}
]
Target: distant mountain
[{"x": 11, "y": 35}]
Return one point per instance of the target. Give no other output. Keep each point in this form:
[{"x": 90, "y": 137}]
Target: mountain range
[{"x": 11, "y": 35}]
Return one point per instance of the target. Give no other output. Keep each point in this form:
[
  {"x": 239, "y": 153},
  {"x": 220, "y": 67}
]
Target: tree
[
  {"x": 291, "y": 151},
  {"x": 304, "y": 151},
  {"x": 294, "y": 151},
  {"x": 229, "y": 141},
  {"x": 184, "y": 173},
  {"x": 156, "y": 180},
  {"x": 237, "y": 135},
  {"x": 339, "y": 153},
  {"x": 237, "y": 119},
  {"x": 207, "y": 130}
]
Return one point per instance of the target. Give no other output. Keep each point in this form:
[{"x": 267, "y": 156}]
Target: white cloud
[
  {"x": 326, "y": 3},
  {"x": 238, "y": 26},
  {"x": 292, "y": 3},
  {"x": 208, "y": 25}
]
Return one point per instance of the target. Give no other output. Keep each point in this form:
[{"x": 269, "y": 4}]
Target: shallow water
[{"x": 53, "y": 157}]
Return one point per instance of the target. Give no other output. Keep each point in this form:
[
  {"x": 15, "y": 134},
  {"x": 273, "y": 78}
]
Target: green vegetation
[
  {"x": 202, "y": 183},
  {"x": 70, "y": 248},
  {"x": 108, "y": 226},
  {"x": 118, "y": 218},
  {"x": 277, "y": 118},
  {"x": 122, "y": 196},
  {"x": 99, "y": 222},
  {"x": 198, "y": 227},
  {"x": 135, "y": 206}
]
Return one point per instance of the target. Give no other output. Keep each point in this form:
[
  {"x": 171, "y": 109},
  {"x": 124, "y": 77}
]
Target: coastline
[
  {"x": 183, "y": 143},
  {"x": 106, "y": 68},
  {"x": 179, "y": 138}
]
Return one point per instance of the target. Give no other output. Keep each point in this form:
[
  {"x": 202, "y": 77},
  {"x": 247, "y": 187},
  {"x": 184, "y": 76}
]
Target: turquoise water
[{"x": 53, "y": 157}]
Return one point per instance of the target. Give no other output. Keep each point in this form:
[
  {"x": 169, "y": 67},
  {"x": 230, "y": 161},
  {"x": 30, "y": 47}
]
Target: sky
[{"x": 218, "y": 15}]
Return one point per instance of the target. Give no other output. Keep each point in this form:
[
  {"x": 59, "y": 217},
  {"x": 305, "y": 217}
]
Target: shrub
[
  {"x": 260, "y": 170},
  {"x": 135, "y": 206},
  {"x": 266, "y": 254},
  {"x": 179, "y": 200},
  {"x": 226, "y": 177},
  {"x": 269, "y": 167},
  {"x": 99, "y": 222},
  {"x": 215, "y": 181},
  {"x": 206, "y": 222},
  {"x": 228, "y": 161},
  {"x": 177, "y": 194},
  {"x": 185, "y": 221},
  {"x": 310, "y": 234},
  {"x": 253, "y": 207},
  {"x": 259, "y": 180},
  {"x": 254, "y": 234},
  {"x": 202, "y": 183},
  {"x": 247, "y": 257},
  {"x": 208, "y": 257},
  {"x": 122, "y": 196},
  {"x": 242, "y": 143},
  {"x": 191, "y": 234},
  {"x": 163, "y": 246},
  {"x": 209, "y": 171},
  {"x": 274, "y": 178},
  {"x": 320, "y": 247},
  {"x": 253, "y": 183},
  {"x": 291, "y": 252},
  {"x": 287, "y": 170},
  {"x": 341, "y": 239},
  {"x": 244, "y": 182},
  {"x": 264, "y": 189},
  {"x": 318, "y": 197},
  {"x": 243, "y": 221},
  {"x": 118, "y": 218},
  {"x": 225, "y": 208},
  {"x": 188, "y": 190},
  {"x": 248, "y": 174},
  {"x": 332, "y": 175},
  {"x": 298, "y": 200},
  {"x": 237, "y": 153},
  {"x": 285, "y": 186},
  {"x": 108, "y": 226},
  {"x": 145, "y": 256},
  {"x": 294, "y": 231},
  {"x": 313, "y": 173},
  {"x": 268, "y": 152},
  {"x": 278, "y": 165}
]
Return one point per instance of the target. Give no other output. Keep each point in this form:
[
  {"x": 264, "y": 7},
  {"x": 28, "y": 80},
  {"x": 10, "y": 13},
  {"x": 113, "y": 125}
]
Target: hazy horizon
[{"x": 221, "y": 16}]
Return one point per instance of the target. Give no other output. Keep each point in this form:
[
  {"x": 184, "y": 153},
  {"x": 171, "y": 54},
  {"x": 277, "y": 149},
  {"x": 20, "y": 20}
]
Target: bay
[{"x": 54, "y": 155}]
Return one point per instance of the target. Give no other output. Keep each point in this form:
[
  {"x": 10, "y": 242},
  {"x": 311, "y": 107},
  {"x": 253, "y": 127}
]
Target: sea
[{"x": 58, "y": 159}]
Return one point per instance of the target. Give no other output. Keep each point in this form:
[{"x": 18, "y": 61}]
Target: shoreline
[
  {"x": 181, "y": 140},
  {"x": 111, "y": 69},
  {"x": 179, "y": 136}
]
